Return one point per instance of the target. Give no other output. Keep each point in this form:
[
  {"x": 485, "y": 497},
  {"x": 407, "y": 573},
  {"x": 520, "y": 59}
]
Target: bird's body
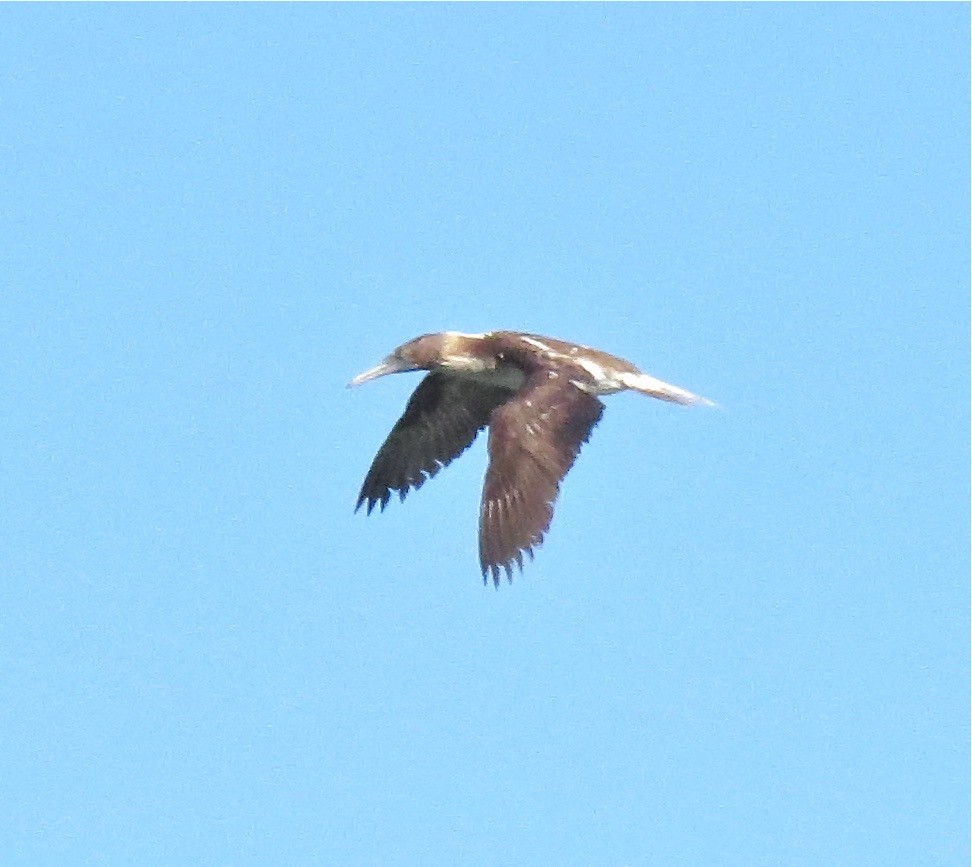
[{"x": 539, "y": 398}]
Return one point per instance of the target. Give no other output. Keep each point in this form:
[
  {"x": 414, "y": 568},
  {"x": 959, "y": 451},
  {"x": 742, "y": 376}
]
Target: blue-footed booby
[{"x": 539, "y": 398}]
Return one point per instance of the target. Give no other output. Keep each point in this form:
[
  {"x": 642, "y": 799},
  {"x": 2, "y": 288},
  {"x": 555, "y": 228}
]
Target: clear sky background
[{"x": 746, "y": 638}]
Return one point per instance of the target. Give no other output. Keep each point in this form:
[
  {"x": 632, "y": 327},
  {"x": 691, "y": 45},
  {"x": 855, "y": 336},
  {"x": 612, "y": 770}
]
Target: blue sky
[{"x": 745, "y": 640}]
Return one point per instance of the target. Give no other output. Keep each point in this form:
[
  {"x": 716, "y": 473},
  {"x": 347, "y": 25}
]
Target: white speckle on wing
[
  {"x": 593, "y": 368},
  {"x": 538, "y": 344},
  {"x": 606, "y": 381}
]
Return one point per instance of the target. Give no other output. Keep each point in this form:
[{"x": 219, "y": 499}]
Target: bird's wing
[
  {"x": 441, "y": 420},
  {"x": 534, "y": 440}
]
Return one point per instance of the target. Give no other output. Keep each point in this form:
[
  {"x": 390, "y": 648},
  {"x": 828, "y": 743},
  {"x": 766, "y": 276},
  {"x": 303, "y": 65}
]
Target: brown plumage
[{"x": 537, "y": 395}]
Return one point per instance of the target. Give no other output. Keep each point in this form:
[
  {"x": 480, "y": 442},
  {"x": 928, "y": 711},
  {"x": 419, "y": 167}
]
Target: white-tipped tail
[{"x": 662, "y": 390}]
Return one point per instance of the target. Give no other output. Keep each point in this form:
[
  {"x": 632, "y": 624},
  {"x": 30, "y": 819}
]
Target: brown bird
[{"x": 539, "y": 398}]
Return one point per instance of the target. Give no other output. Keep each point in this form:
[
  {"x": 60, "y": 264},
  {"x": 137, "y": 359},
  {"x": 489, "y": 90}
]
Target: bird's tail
[{"x": 646, "y": 384}]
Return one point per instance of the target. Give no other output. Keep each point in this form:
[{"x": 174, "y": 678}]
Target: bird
[{"x": 538, "y": 396}]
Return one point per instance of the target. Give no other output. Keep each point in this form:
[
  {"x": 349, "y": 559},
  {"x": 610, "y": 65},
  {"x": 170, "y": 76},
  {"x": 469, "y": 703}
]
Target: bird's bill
[{"x": 389, "y": 365}]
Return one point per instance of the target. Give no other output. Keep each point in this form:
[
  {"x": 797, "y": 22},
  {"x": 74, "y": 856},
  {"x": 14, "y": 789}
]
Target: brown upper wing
[
  {"x": 440, "y": 421},
  {"x": 534, "y": 440}
]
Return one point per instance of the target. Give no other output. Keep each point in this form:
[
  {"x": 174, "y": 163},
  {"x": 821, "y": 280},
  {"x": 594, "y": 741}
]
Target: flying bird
[{"x": 539, "y": 398}]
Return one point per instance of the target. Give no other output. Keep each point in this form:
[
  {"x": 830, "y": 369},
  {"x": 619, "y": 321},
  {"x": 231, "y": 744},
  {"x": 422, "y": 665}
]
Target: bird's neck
[{"x": 498, "y": 374}]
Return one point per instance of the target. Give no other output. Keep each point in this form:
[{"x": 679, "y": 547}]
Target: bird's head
[{"x": 422, "y": 353}]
